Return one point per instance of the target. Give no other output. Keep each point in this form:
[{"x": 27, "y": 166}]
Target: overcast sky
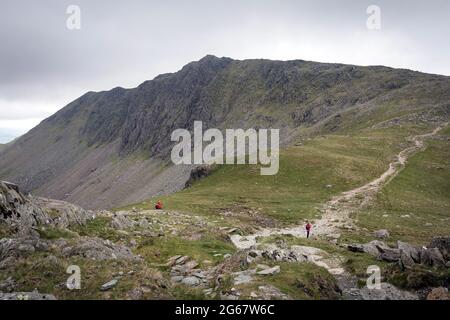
[{"x": 44, "y": 65}]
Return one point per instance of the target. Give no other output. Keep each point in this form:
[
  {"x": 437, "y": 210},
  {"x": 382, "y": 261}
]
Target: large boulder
[
  {"x": 388, "y": 254},
  {"x": 371, "y": 247},
  {"x": 431, "y": 257},
  {"x": 25, "y": 212},
  {"x": 443, "y": 244},
  {"x": 64, "y": 214},
  {"x": 406, "y": 262},
  {"x": 409, "y": 250},
  {"x": 20, "y": 210}
]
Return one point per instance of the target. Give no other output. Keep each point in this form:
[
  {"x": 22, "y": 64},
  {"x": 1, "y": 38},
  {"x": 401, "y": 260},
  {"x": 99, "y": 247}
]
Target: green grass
[
  {"x": 304, "y": 281},
  {"x": 354, "y": 262},
  {"x": 51, "y": 233},
  {"x": 156, "y": 251},
  {"x": 98, "y": 227},
  {"x": 301, "y": 281},
  {"x": 420, "y": 191},
  {"x": 343, "y": 161}
]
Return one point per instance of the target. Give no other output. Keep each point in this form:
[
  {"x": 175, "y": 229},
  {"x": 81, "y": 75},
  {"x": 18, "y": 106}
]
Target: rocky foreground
[{"x": 147, "y": 254}]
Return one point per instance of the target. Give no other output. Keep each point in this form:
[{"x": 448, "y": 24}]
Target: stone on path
[
  {"x": 270, "y": 271},
  {"x": 109, "y": 285}
]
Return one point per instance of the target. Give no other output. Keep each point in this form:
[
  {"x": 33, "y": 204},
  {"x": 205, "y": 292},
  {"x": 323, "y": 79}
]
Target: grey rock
[
  {"x": 406, "y": 262},
  {"x": 99, "y": 249},
  {"x": 373, "y": 247},
  {"x": 26, "y": 248},
  {"x": 191, "y": 281},
  {"x": 109, "y": 285},
  {"x": 432, "y": 257},
  {"x": 270, "y": 271},
  {"x": 177, "y": 278},
  {"x": 443, "y": 244},
  {"x": 242, "y": 277},
  {"x": 386, "y": 292},
  {"x": 191, "y": 265},
  {"x": 42, "y": 246},
  {"x": 35, "y": 295},
  {"x": 122, "y": 222},
  {"x": 381, "y": 234},
  {"x": 409, "y": 250},
  {"x": 181, "y": 260},
  {"x": 389, "y": 255}
]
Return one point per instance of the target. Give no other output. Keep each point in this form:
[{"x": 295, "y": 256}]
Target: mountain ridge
[{"x": 104, "y": 148}]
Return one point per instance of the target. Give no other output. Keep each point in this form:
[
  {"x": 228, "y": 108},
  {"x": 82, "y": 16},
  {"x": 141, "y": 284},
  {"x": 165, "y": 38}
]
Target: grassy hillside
[
  {"x": 93, "y": 151},
  {"x": 310, "y": 174},
  {"x": 415, "y": 206}
]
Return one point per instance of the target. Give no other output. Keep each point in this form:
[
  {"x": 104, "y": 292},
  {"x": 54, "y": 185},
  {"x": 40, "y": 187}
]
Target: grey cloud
[{"x": 122, "y": 43}]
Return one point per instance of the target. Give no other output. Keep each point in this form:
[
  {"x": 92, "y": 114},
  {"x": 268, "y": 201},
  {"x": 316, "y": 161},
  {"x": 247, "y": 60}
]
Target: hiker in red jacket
[
  {"x": 308, "y": 228},
  {"x": 159, "y": 205}
]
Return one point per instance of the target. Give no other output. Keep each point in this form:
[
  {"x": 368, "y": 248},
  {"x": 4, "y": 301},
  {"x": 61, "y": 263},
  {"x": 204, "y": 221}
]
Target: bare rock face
[
  {"x": 198, "y": 173},
  {"x": 19, "y": 210},
  {"x": 409, "y": 250},
  {"x": 432, "y": 257},
  {"x": 64, "y": 214},
  {"x": 26, "y": 212},
  {"x": 389, "y": 255},
  {"x": 373, "y": 247},
  {"x": 443, "y": 244}
]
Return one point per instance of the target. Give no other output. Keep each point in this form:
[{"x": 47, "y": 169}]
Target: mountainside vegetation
[{"x": 108, "y": 149}]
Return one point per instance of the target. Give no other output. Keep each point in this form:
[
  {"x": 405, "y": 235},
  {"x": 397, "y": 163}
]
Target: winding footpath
[
  {"x": 335, "y": 217},
  {"x": 336, "y": 212}
]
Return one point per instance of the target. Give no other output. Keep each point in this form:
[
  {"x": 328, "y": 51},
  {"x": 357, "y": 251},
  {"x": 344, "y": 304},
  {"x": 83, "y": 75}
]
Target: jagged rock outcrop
[
  {"x": 198, "y": 173},
  {"x": 443, "y": 244},
  {"x": 25, "y": 212},
  {"x": 407, "y": 255},
  {"x": 64, "y": 214},
  {"x": 19, "y": 210}
]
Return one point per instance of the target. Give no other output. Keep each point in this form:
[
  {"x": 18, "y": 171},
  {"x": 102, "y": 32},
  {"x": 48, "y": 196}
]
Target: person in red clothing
[
  {"x": 159, "y": 205},
  {"x": 308, "y": 228}
]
